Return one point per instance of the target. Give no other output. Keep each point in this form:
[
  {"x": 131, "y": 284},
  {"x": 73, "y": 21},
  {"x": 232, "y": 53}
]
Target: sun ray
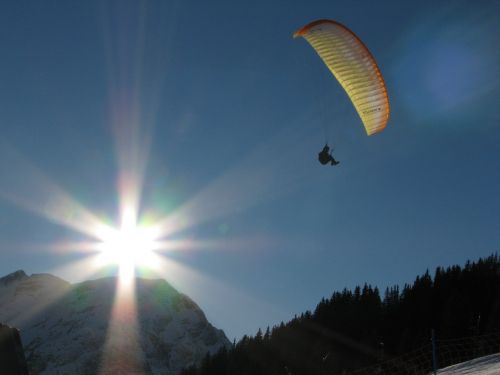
[
  {"x": 122, "y": 352},
  {"x": 81, "y": 269},
  {"x": 70, "y": 247},
  {"x": 231, "y": 244},
  {"x": 29, "y": 188}
]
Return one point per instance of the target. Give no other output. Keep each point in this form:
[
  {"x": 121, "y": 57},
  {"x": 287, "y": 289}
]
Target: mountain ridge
[
  {"x": 12, "y": 277},
  {"x": 65, "y": 327}
]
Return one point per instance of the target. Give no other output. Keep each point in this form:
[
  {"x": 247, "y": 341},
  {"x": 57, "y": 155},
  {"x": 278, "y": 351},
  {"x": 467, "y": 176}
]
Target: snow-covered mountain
[{"x": 67, "y": 328}]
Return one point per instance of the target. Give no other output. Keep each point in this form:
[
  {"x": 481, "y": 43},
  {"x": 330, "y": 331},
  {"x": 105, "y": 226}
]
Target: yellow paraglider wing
[{"x": 354, "y": 67}]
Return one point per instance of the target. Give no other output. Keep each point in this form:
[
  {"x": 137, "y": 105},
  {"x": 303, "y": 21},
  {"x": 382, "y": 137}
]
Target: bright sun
[{"x": 128, "y": 247}]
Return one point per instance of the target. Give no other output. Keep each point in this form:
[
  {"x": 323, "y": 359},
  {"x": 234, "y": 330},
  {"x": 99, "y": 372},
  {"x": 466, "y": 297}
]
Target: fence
[{"x": 447, "y": 353}]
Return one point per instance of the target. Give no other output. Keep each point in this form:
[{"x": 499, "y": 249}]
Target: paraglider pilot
[{"x": 325, "y": 157}]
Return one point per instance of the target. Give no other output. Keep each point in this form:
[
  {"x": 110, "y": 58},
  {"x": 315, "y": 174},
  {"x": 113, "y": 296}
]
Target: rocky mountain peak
[
  {"x": 13, "y": 277},
  {"x": 65, "y": 327}
]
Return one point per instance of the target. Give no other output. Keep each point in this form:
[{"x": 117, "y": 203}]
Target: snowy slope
[
  {"x": 489, "y": 365},
  {"x": 64, "y": 326}
]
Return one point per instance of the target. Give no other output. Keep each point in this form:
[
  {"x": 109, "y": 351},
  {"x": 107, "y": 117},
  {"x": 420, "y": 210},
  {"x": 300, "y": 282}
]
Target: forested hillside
[{"x": 355, "y": 328}]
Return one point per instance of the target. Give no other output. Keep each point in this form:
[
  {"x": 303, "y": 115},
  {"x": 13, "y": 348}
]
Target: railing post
[{"x": 434, "y": 358}]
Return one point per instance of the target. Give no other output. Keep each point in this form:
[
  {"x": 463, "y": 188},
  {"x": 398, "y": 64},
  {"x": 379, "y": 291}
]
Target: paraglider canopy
[{"x": 354, "y": 67}]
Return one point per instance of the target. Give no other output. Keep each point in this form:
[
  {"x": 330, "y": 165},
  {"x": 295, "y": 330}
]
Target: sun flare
[{"x": 129, "y": 247}]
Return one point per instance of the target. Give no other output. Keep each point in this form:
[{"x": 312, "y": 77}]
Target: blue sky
[{"x": 228, "y": 112}]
